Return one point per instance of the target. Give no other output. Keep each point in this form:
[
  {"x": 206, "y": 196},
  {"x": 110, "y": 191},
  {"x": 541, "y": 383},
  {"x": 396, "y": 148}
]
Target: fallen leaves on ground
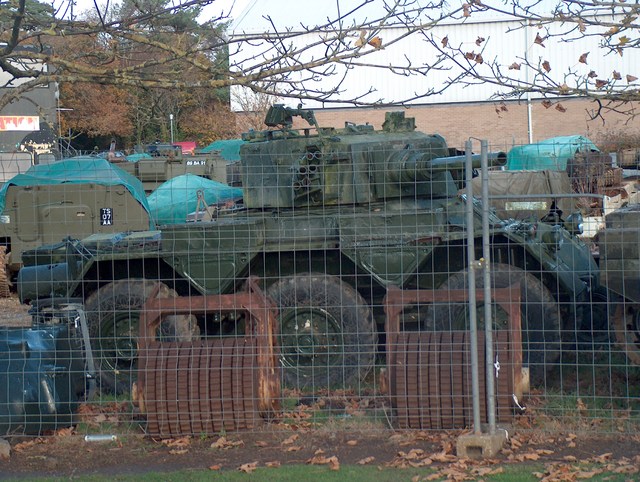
[
  {"x": 223, "y": 444},
  {"x": 248, "y": 468},
  {"x": 320, "y": 459},
  {"x": 366, "y": 460},
  {"x": 290, "y": 440},
  {"x": 178, "y": 446}
]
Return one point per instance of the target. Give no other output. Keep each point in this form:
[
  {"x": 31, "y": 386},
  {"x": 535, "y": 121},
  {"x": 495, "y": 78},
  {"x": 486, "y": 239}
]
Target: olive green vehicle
[
  {"x": 331, "y": 219},
  {"x": 619, "y": 245},
  {"x": 72, "y": 198}
]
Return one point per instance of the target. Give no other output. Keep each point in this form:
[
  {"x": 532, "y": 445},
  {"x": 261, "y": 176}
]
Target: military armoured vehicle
[
  {"x": 619, "y": 249},
  {"x": 162, "y": 162},
  {"x": 76, "y": 198},
  {"x": 332, "y": 218}
]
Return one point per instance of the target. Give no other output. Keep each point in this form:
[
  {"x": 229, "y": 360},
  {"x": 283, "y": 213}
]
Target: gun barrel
[
  {"x": 408, "y": 166},
  {"x": 495, "y": 159}
]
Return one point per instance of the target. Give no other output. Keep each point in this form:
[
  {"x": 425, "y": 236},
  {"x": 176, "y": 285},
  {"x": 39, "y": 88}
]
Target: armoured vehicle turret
[{"x": 332, "y": 218}]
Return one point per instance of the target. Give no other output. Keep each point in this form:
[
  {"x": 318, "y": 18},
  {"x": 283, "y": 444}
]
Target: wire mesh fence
[{"x": 336, "y": 292}]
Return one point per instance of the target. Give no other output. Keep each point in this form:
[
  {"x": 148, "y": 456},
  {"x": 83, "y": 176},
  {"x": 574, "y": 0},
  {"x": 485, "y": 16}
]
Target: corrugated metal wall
[{"x": 505, "y": 42}]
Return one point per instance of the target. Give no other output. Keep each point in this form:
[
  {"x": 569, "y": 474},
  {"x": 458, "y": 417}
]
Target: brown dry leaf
[
  {"x": 479, "y": 40},
  {"x": 22, "y": 446},
  {"x": 248, "y": 468},
  {"x": 601, "y": 459},
  {"x": 544, "y": 451},
  {"x": 178, "y": 443},
  {"x": 223, "y": 444},
  {"x": 466, "y": 10},
  {"x": 272, "y": 464},
  {"x": 612, "y": 31},
  {"x": 352, "y": 443},
  {"x": 514, "y": 66},
  {"x": 64, "y": 432},
  {"x": 365, "y": 461},
  {"x": 581, "y": 26},
  {"x": 592, "y": 74},
  {"x": 332, "y": 461},
  {"x": 178, "y": 451},
  {"x": 623, "y": 40},
  {"x": 375, "y": 42},
  {"x": 484, "y": 471},
  {"x": 599, "y": 85},
  {"x": 569, "y": 458},
  {"x": 527, "y": 456},
  {"x": 563, "y": 89},
  {"x": 539, "y": 40},
  {"x": 293, "y": 448},
  {"x": 445, "y": 41},
  {"x": 318, "y": 452},
  {"x": 443, "y": 457},
  {"x": 362, "y": 40},
  {"x": 631, "y": 78},
  {"x": 546, "y": 66},
  {"x": 261, "y": 443},
  {"x": 479, "y": 59},
  {"x": 215, "y": 467},
  {"x": 583, "y": 58},
  {"x": 616, "y": 75},
  {"x": 626, "y": 469},
  {"x": 561, "y": 108},
  {"x": 290, "y": 440},
  {"x": 587, "y": 475}
]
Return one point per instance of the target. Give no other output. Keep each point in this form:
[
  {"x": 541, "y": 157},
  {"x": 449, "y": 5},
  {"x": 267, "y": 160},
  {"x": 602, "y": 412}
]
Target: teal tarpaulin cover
[
  {"x": 550, "y": 154},
  {"x": 78, "y": 170},
  {"x": 137, "y": 157},
  {"x": 229, "y": 149},
  {"x": 173, "y": 200}
]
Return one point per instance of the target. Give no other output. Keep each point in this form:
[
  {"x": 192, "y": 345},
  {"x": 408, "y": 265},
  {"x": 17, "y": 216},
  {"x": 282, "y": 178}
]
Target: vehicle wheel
[
  {"x": 113, "y": 313},
  {"x": 595, "y": 315},
  {"x": 540, "y": 316},
  {"x": 626, "y": 329},
  {"x": 327, "y": 332}
]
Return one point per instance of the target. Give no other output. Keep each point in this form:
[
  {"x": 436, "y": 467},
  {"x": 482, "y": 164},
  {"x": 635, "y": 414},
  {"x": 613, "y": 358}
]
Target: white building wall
[{"x": 505, "y": 41}]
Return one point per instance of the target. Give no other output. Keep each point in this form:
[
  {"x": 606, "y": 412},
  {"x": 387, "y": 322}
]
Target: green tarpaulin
[
  {"x": 173, "y": 200},
  {"x": 550, "y": 154},
  {"x": 78, "y": 170}
]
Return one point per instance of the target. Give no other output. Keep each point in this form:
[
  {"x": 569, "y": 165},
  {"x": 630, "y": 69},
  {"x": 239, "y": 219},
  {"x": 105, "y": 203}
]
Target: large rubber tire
[
  {"x": 541, "y": 340},
  {"x": 327, "y": 332},
  {"x": 113, "y": 313}
]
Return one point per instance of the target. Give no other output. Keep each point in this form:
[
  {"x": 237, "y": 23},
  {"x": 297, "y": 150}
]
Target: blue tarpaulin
[
  {"x": 550, "y": 154},
  {"x": 229, "y": 149},
  {"x": 173, "y": 200}
]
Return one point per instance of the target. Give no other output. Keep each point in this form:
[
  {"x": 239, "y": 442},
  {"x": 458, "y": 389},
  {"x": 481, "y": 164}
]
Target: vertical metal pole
[
  {"x": 473, "y": 323},
  {"x": 526, "y": 73},
  {"x": 488, "y": 315},
  {"x": 171, "y": 126}
]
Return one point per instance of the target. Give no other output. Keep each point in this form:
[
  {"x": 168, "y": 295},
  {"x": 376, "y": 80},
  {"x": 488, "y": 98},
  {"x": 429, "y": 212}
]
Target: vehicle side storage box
[{"x": 41, "y": 378}]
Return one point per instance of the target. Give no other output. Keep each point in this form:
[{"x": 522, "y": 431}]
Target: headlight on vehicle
[
  {"x": 553, "y": 238},
  {"x": 575, "y": 223}
]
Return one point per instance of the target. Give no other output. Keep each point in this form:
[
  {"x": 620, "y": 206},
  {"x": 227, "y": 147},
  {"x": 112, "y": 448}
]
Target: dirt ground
[{"x": 69, "y": 455}]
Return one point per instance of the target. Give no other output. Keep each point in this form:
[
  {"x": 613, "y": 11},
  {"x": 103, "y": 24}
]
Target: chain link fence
[{"x": 349, "y": 286}]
